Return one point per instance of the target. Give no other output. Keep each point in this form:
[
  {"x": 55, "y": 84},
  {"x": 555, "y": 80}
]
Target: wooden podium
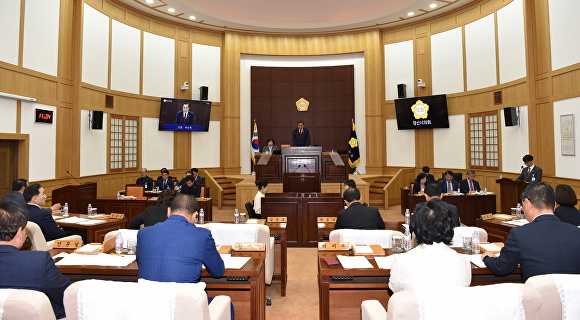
[
  {"x": 77, "y": 196},
  {"x": 301, "y": 182},
  {"x": 510, "y": 192}
]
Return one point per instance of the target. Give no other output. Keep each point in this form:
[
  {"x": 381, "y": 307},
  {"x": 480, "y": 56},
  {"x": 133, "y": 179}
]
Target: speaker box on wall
[
  {"x": 203, "y": 93},
  {"x": 510, "y": 116},
  {"x": 402, "y": 90},
  {"x": 97, "y": 120}
]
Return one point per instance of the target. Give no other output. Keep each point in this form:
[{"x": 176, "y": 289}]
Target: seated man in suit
[
  {"x": 165, "y": 181},
  {"x": 32, "y": 270},
  {"x": 154, "y": 214},
  {"x": 175, "y": 250},
  {"x": 530, "y": 172},
  {"x": 190, "y": 187},
  {"x": 182, "y": 181},
  {"x": 16, "y": 196},
  {"x": 426, "y": 170},
  {"x": 433, "y": 192},
  {"x": 357, "y": 216},
  {"x": 145, "y": 180},
  {"x": 270, "y": 147},
  {"x": 448, "y": 185},
  {"x": 184, "y": 116},
  {"x": 470, "y": 184},
  {"x": 543, "y": 246},
  {"x": 197, "y": 179},
  {"x": 35, "y": 196},
  {"x": 300, "y": 135}
]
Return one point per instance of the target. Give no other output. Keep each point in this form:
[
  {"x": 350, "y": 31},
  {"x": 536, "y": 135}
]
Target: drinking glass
[
  {"x": 467, "y": 243},
  {"x": 397, "y": 242},
  {"x": 131, "y": 246}
]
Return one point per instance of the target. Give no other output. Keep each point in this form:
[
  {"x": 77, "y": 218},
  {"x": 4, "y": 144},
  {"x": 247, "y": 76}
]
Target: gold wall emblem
[
  {"x": 420, "y": 110},
  {"x": 302, "y": 104}
]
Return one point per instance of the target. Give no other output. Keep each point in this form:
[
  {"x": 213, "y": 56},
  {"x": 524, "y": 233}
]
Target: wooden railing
[
  {"x": 217, "y": 192},
  {"x": 392, "y": 191}
]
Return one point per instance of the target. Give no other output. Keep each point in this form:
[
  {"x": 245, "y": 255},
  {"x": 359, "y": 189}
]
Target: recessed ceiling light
[
  {"x": 171, "y": 10},
  {"x": 149, "y": 1},
  {"x": 433, "y": 6},
  {"x": 192, "y": 17},
  {"x": 410, "y": 14}
]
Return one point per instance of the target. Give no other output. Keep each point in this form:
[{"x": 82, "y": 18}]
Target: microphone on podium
[
  {"x": 73, "y": 177},
  {"x": 297, "y": 168}
]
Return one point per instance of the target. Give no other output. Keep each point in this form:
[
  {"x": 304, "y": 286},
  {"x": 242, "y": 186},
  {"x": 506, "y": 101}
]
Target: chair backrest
[
  {"x": 27, "y": 304},
  {"x": 36, "y": 236},
  {"x": 459, "y": 232},
  {"x": 552, "y": 305},
  {"x": 404, "y": 305},
  {"x": 250, "y": 209},
  {"x": 135, "y": 190},
  {"x": 380, "y": 237}
]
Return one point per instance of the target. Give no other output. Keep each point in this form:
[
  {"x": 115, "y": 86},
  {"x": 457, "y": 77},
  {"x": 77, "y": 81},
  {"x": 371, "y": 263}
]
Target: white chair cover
[
  {"x": 569, "y": 291},
  {"x": 4, "y": 293},
  {"x": 228, "y": 234},
  {"x": 353, "y": 236}
]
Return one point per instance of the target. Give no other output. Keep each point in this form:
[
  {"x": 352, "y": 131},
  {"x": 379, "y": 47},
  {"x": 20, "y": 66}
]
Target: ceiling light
[
  {"x": 149, "y": 1},
  {"x": 192, "y": 17},
  {"x": 171, "y": 10},
  {"x": 410, "y": 14},
  {"x": 433, "y": 6}
]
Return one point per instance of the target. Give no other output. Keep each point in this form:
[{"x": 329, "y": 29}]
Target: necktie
[
  {"x": 164, "y": 184},
  {"x": 300, "y": 132},
  {"x": 470, "y": 185},
  {"x": 449, "y": 188}
]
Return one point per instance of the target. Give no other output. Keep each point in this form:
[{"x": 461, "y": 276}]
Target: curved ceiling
[{"x": 294, "y": 16}]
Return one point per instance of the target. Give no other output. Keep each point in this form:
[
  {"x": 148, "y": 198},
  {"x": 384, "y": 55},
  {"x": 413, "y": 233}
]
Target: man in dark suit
[
  {"x": 154, "y": 214},
  {"x": 164, "y": 181},
  {"x": 145, "y": 180},
  {"x": 357, "y": 216},
  {"x": 35, "y": 197},
  {"x": 174, "y": 250},
  {"x": 433, "y": 191},
  {"x": 184, "y": 116},
  {"x": 543, "y": 246},
  {"x": 530, "y": 172},
  {"x": 300, "y": 135},
  {"x": 470, "y": 184},
  {"x": 32, "y": 270},
  {"x": 448, "y": 185},
  {"x": 16, "y": 196},
  {"x": 426, "y": 170}
]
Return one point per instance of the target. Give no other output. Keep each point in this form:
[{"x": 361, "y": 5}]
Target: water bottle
[
  {"x": 119, "y": 243},
  {"x": 407, "y": 216},
  {"x": 475, "y": 242},
  {"x": 236, "y": 216},
  {"x": 201, "y": 216},
  {"x": 65, "y": 210},
  {"x": 145, "y": 185},
  {"x": 485, "y": 190},
  {"x": 118, "y": 195},
  {"x": 519, "y": 210},
  {"x": 407, "y": 240},
  {"x": 90, "y": 210}
]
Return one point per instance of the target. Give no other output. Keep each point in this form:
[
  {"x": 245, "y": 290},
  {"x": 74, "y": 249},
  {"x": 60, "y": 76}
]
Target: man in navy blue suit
[
  {"x": 174, "y": 250},
  {"x": 32, "y": 270},
  {"x": 543, "y": 246},
  {"x": 300, "y": 135},
  {"x": 185, "y": 116},
  {"x": 433, "y": 191},
  {"x": 16, "y": 196},
  {"x": 448, "y": 185},
  {"x": 35, "y": 197},
  {"x": 470, "y": 184}
]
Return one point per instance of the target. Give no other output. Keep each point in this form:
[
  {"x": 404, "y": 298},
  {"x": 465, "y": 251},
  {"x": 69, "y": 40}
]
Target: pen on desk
[{"x": 118, "y": 255}]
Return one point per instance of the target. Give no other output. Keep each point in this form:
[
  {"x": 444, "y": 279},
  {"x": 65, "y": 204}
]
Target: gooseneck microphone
[
  {"x": 73, "y": 177},
  {"x": 297, "y": 168}
]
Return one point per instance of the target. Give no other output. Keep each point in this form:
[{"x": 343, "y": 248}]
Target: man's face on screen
[{"x": 185, "y": 108}]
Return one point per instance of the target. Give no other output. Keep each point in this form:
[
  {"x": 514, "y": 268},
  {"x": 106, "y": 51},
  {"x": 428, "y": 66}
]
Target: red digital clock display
[{"x": 44, "y": 116}]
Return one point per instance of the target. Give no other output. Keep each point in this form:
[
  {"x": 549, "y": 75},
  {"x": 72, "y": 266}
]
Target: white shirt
[
  {"x": 428, "y": 266},
  {"x": 258, "y": 202}
]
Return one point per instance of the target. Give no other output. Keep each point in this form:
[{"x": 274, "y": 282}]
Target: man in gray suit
[
  {"x": 530, "y": 172},
  {"x": 16, "y": 196}
]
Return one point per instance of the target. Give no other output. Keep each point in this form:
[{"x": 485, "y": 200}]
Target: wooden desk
[
  {"x": 248, "y": 297},
  {"x": 92, "y": 233},
  {"x": 341, "y": 299},
  {"x": 272, "y": 172},
  {"x": 278, "y": 231},
  {"x": 469, "y": 206},
  {"x": 325, "y": 228},
  {"x": 497, "y": 231}
]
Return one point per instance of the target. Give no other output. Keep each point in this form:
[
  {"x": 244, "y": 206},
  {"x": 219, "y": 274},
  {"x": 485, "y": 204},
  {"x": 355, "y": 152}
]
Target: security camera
[
  {"x": 185, "y": 86},
  {"x": 420, "y": 83}
]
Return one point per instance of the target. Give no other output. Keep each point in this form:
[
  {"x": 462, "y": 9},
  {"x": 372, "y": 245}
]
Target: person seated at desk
[
  {"x": 349, "y": 184},
  {"x": 182, "y": 181},
  {"x": 469, "y": 185},
  {"x": 165, "y": 181},
  {"x": 32, "y": 270},
  {"x": 197, "y": 179},
  {"x": 154, "y": 214},
  {"x": 190, "y": 187},
  {"x": 426, "y": 170},
  {"x": 545, "y": 245},
  {"x": 448, "y": 185},
  {"x": 161, "y": 172},
  {"x": 419, "y": 184},
  {"x": 145, "y": 180},
  {"x": 262, "y": 189},
  {"x": 566, "y": 200},
  {"x": 432, "y": 263},
  {"x": 433, "y": 192},
  {"x": 357, "y": 216},
  {"x": 300, "y": 135},
  {"x": 35, "y": 196},
  {"x": 270, "y": 147},
  {"x": 16, "y": 196}
]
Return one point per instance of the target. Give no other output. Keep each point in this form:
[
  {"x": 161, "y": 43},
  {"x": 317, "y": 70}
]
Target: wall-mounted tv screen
[
  {"x": 422, "y": 112},
  {"x": 184, "y": 115}
]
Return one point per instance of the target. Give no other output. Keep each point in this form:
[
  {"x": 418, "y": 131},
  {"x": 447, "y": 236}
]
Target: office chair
[
  {"x": 27, "y": 304},
  {"x": 135, "y": 190},
  {"x": 251, "y": 212},
  {"x": 38, "y": 240},
  {"x": 554, "y": 287}
]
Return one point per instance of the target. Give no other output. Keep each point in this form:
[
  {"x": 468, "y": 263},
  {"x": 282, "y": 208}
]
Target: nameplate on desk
[
  {"x": 67, "y": 244},
  {"x": 487, "y": 216},
  {"x": 117, "y": 216},
  {"x": 326, "y": 219},
  {"x": 333, "y": 246},
  {"x": 249, "y": 246},
  {"x": 224, "y": 249},
  {"x": 277, "y": 219}
]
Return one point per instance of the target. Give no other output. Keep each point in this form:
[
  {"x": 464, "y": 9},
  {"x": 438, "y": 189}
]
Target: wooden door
[{"x": 8, "y": 165}]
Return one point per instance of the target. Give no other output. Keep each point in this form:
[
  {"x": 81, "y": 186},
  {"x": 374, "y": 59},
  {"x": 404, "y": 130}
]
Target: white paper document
[
  {"x": 476, "y": 260},
  {"x": 234, "y": 262},
  {"x": 73, "y": 220},
  {"x": 363, "y": 249},
  {"x": 90, "y": 222},
  {"x": 101, "y": 259},
  {"x": 385, "y": 262},
  {"x": 354, "y": 262},
  {"x": 56, "y": 217},
  {"x": 252, "y": 221},
  {"x": 490, "y": 247},
  {"x": 518, "y": 222}
]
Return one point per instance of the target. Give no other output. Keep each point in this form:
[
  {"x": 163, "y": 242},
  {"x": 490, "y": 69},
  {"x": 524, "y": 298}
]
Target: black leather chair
[{"x": 250, "y": 209}]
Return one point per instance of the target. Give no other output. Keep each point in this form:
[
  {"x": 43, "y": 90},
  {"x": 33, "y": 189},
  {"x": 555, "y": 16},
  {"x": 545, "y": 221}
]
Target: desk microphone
[
  {"x": 521, "y": 169},
  {"x": 307, "y": 169},
  {"x": 297, "y": 168},
  {"x": 73, "y": 177}
]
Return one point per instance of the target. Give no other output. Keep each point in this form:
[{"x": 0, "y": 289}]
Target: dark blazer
[
  {"x": 181, "y": 261},
  {"x": 430, "y": 177},
  {"x": 358, "y": 216},
  {"x": 543, "y": 246},
  {"x": 568, "y": 214},
  {"x": 267, "y": 149},
  {"x": 443, "y": 185},
  {"x": 15, "y": 197},
  {"x": 145, "y": 181},
  {"x": 301, "y": 140},
  {"x": 454, "y": 212},
  {"x": 527, "y": 177},
  {"x": 33, "y": 270},
  {"x": 150, "y": 216},
  {"x": 170, "y": 183},
  {"x": 416, "y": 186},
  {"x": 188, "y": 121},
  {"x": 464, "y": 186},
  {"x": 43, "y": 218}
]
